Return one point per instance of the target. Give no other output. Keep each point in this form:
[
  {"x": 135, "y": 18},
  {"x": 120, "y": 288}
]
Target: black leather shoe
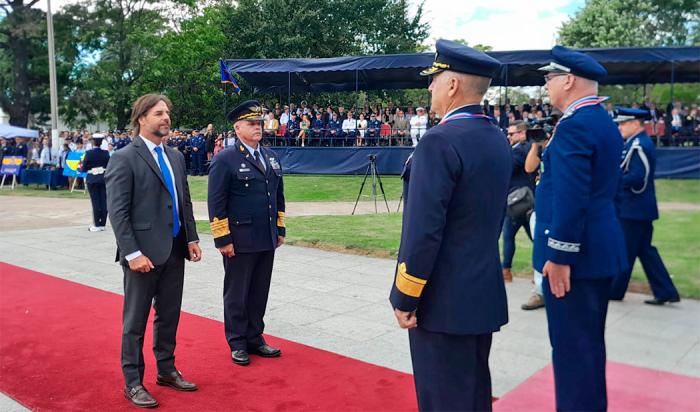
[
  {"x": 175, "y": 380},
  {"x": 266, "y": 351},
  {"x": 659, "y": 302},
  {"x": 240, "y": 357},
  {"x": 140, "y": 397}
]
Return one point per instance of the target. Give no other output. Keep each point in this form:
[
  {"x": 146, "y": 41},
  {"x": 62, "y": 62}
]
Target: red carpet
[
  {"x": 630, "y": 388},
  {"x": 60, "y": 345}
]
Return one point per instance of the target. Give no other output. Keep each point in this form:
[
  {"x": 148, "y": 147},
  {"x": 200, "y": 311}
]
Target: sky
[{"x": 503, "y": 25}]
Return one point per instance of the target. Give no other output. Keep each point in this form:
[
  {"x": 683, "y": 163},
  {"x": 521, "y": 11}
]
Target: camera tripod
[{"x": 376, "y": 178}]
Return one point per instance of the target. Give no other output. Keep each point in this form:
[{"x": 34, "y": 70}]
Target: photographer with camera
[
  {"x": 538, "y": 135},
  {"x": 520, "y": 195}
]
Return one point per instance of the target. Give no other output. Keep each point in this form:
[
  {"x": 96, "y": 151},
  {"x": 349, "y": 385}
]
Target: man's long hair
[{"x": 143, "y": 104}]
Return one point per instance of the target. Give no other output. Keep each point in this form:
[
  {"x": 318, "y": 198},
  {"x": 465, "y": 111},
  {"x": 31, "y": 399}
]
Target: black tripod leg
[
  {"x": 362, "y": 186},
  {"x": 398, "y": 207},
  {"x": 381, "y": 186}
]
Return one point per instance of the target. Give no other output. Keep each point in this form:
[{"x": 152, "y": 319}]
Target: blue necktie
[{"x": 165, "y": 171}]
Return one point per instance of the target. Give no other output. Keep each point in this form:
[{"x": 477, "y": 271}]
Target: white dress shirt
[
  {"x": 252, "y": 153},
  {"x": 151, "y": 148}
]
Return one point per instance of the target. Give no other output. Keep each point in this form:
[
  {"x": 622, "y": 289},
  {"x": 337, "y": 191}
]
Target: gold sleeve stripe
[
  {"x": 219, "y": 228},
  {"x": 407, "y": 284},
  {"x": 280, "y": 219}
]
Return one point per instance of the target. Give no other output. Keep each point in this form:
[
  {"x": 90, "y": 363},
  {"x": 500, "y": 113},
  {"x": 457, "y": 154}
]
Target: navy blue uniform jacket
[
  {"x": 95, "y": 158},
  {"x": 246, "y": 204},
  {"x": 577, "y": 222},
  {"x": 638, "y": 196},
  {"x": 448, "y": 265}
]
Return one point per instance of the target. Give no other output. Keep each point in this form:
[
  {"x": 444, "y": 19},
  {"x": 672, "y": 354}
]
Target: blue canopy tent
[
  {"x": 639, "y": 65},
  {"x": 7, "y": 131}
]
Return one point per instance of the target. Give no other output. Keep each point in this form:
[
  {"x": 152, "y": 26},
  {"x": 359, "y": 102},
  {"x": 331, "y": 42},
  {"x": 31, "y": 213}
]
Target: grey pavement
[{"x": 339, "y": 303}]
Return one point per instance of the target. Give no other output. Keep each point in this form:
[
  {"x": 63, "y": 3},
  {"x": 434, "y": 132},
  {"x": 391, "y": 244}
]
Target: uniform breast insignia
[
  {"x": 273, "y": 162},
  {"x": 244, "y": 168}
]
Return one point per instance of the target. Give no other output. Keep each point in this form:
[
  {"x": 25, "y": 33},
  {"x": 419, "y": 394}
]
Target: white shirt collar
[
  {"x": 150, "y": 144},
  {"x": 251, "y": 150}
]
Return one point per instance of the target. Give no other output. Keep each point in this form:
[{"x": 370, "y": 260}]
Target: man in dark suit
[
  {"x": 578, "y": 245},
  {"x": 246, "y": 210},
  {"x": 637, "y": 209},
  {"x": 151, "y": 213},
  {"x": 95, "y": 164},
  {"x": 449, "y": 290}
]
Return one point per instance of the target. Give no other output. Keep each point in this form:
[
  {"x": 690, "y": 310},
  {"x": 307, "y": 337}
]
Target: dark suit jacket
[{"x": 140, "y": 206}]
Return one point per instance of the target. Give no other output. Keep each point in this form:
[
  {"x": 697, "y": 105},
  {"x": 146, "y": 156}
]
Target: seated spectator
[
  {"x": 292, "y": 129},
  {"x": 335, "y": 130},
  {"x": 349, "y": 128},
  {"x": 385, "y": 132},
  {"x": 373, "y": 130},
  {"x": 284, "y": 118},
  {"x": 271, "y": 126},
  {"x": 433, "y": 119},
  {"x": 419, "y": 124},
  {"x": 400, "y": 128},
  {"x": 305, "y": 127},
  {"x": 317, "y": 130},
  {"x": 362, "y": 129}
]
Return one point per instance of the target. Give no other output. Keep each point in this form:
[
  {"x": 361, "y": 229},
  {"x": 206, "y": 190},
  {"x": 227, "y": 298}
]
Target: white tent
[{"x": 8, "y": 132}]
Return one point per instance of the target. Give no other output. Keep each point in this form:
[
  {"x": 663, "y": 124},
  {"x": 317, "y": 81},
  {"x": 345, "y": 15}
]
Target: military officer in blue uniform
[
  {"x": 246, "y": 211},
  {"x": 292, "y": 129},
  {"x": 95, "y": 165},
  {"x": 637, "y": 208},
  {"x": 448, "y": 290},
  {"x": 373, "y": 128},
  {"x": 318, "y": 130},
  {"x": 579, "y": 246},
  {"x": 197, "y": 143},
  {"x": 123, "y": 141},
  {"x": 335, "y": 130}
]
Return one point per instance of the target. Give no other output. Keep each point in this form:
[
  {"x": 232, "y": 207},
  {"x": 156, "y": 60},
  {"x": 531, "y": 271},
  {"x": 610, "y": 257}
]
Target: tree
[
  {"x": 632, "y": 23},
  {"x": 22, "y": 30},
  {"x": 629, "y": 23}
]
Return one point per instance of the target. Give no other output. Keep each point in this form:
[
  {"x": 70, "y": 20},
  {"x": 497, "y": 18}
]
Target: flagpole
[{"x": 225, "y": 109}]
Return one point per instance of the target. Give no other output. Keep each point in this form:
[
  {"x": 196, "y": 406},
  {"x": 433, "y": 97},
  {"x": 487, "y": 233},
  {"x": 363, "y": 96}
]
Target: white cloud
[{"x": 503, "y": 25}]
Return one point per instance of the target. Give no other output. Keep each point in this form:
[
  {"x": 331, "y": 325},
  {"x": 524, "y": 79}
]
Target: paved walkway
[
  {"x": 36, "y": 212},
  {"x": 339, "y": 302}
]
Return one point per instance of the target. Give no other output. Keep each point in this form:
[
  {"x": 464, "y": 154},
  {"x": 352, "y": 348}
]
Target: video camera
[
  {"x": 372, "y": 157},
  {"x": 541, "y": 129}
]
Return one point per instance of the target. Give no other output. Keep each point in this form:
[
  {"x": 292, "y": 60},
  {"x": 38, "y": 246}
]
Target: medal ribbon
[{"x": 458, "y": 116}]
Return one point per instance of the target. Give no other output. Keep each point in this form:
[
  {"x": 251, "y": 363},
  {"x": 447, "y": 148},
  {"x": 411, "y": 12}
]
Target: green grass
[
  {"x": 331, "y": 188},
  {"x": 678, "y": 190},
  {"x": 676, "y": 236}
]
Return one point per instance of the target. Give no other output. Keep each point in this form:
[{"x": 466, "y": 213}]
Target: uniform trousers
[
  {"x": 246, "y": 289},
  {"x": 576, "y": 325},
  {"x": 98, "y": 198},
  {"x": 198, "y": 163},
  {"x": 451, "y": 372},
  {"x": 638, "y": 234},
  {"x": 162, "y": 287}
]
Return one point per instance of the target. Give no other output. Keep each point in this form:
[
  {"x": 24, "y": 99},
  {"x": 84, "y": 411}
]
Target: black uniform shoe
[
  {"x": 240, "y": 357},
  {"x": 266, "y": 351},
  {"x": 659, "y": 302},
  {"x": 140, "y": 397},
  {"x": 175, "y": 380}
]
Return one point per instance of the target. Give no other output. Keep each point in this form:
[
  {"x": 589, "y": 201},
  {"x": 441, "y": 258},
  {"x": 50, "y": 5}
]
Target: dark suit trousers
[
  {"x": 638, "y": 234},
  {"x": 451, "y": 372},
  {"x": 246, "y": 288},
  {"x": 163, "y": 287},
  {"x": 577, "y": 334},
  {"x": 98, "y": 198}
]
